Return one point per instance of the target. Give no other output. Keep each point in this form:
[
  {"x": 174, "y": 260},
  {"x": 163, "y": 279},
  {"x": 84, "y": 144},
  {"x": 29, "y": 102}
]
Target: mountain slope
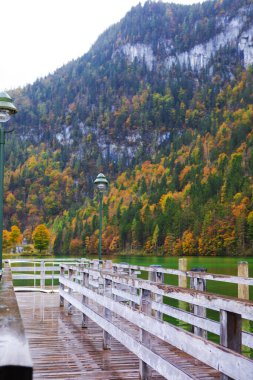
[{"x": 154, "y": 86}]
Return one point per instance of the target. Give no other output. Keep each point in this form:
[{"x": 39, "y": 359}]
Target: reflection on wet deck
[{"x": 61, "y": 349}]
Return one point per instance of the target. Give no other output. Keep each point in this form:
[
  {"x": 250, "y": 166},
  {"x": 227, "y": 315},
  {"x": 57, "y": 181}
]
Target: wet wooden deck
[{"x": 61, "y": 349}]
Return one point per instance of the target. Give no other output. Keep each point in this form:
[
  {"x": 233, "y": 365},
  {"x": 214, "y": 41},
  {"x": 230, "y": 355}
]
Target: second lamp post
[{"x": 102, "y": 186}]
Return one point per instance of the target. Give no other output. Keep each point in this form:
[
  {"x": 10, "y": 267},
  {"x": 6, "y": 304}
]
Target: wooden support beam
[
  {"x": 243, "y": 271},
  {"x": 182, "y": 266},
  {"x": 133, "y": 290},
  {"x": 200, "y": 285},
  {"x": 230, "y": 333},
  {"x": 42, "y": 274},
  {"x": 85, "y": 300},
  {"x": 71, "y": 274},
  {"x": 158, "y": 277},
  {"x": 62, "y": 272},
  {"x": 145, "y": 306},
  {"x": 107, "y": 315}
]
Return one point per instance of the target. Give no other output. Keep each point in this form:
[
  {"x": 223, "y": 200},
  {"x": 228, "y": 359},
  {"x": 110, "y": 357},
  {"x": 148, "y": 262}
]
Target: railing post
[
  {"x": 62, "y": 273},
  {"x": 71, "y": 274},
  {"x": 114, "y": 284},
  {"x": 243, "y": 271},
  {"x": 85, "y": 284},
  {"x": 95, "y": 277},
  {"x": 42, "y": 274},
  {"x": 200, "y": 285},
  {"x": 230, "y": 333},
  {"x": 133, "y": 290},
  {"x": 107, "y": 315},
  {"x": 182, "y": 279},
  {"x": 156, "y": 276},
  {"x": 145, "y": 307}
]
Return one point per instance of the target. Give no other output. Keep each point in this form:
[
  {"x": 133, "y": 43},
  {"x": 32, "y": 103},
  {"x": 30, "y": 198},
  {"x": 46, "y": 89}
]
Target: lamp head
[
  {"x": 7, "y": 108},
  {"x": 101, "y": 183}
]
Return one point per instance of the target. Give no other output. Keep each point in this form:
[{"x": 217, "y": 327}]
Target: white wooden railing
[
  {"x": 116, "y": 290},
  {"x": 36, "y": 272}
]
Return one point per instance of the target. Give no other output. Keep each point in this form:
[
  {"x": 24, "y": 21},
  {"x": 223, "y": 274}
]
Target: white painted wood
[
  {"x": 71, "y": 275},
  {"x": 62, "y": 286},
  {"x": 208, "y": 300},
  {"x": 85, "y": 283},
  {"x": 206, "y": 276},
  {"x": 167, "y": 370},
  {"x": 156, "y": 276},
  {"x": 126, "y": 296},
  {"x": 220, "y": 358},
  {"x": 200, "y": 285},
  {"x": 145, "y": 338},
  {"x": 203, "y": 323},
  {"x": 32, "y": 277},
  {"x": 42, "y": 274},
  {"x": 107, "y": 315}
]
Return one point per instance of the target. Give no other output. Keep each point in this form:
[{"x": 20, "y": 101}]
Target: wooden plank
[
  {"x": 15, "y": 359},
  {"x": 32, "y": 277},
  {"x": 207, "y": 276},
  {"x": 126, "y": 296},
  {"x": 205, "y": 299},
  {"x": 62, "y": 350},
  {"x": 34, "y": 269},
  {"x": 203, "y": 323},
  {"x": 210, "y": 353}
]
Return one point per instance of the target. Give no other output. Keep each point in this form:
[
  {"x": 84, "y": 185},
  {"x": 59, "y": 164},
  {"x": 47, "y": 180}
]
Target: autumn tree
[
  {"x": 15, "y": 236},
  {"x": 189, "y": 244},
  {"x": 6, "y": 240},
  {"x": 76, "y": 246},
  {"x": 250, "y": 227},
  {"x": 41, "y": 237}
]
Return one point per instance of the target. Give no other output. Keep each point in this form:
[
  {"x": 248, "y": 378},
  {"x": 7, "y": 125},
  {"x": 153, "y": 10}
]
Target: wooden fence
[
  {"x": 118, "y": 292},
  {"x": 37, "y": 273}
]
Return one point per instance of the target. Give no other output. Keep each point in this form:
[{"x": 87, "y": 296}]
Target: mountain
[{"x": 162, "y": 105}]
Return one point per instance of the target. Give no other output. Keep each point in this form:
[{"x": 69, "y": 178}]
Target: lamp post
[
  {"x": 7, "y": 109},
  {"x": 102, "y": 185}
]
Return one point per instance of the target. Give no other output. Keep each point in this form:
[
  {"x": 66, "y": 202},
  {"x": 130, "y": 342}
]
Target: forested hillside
[{"x": 170, "y": 128}]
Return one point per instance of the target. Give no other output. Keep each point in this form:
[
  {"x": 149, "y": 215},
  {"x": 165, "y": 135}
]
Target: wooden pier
[{"x": 114, "y": 325}]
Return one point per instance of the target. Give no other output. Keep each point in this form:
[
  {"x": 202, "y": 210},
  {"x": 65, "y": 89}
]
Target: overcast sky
[{"x": 39, "y": 36}]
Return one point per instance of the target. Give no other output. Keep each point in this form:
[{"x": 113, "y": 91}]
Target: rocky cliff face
[
  {"x": 235, "y": 32},
  {"x": 99, "y": 109}
]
